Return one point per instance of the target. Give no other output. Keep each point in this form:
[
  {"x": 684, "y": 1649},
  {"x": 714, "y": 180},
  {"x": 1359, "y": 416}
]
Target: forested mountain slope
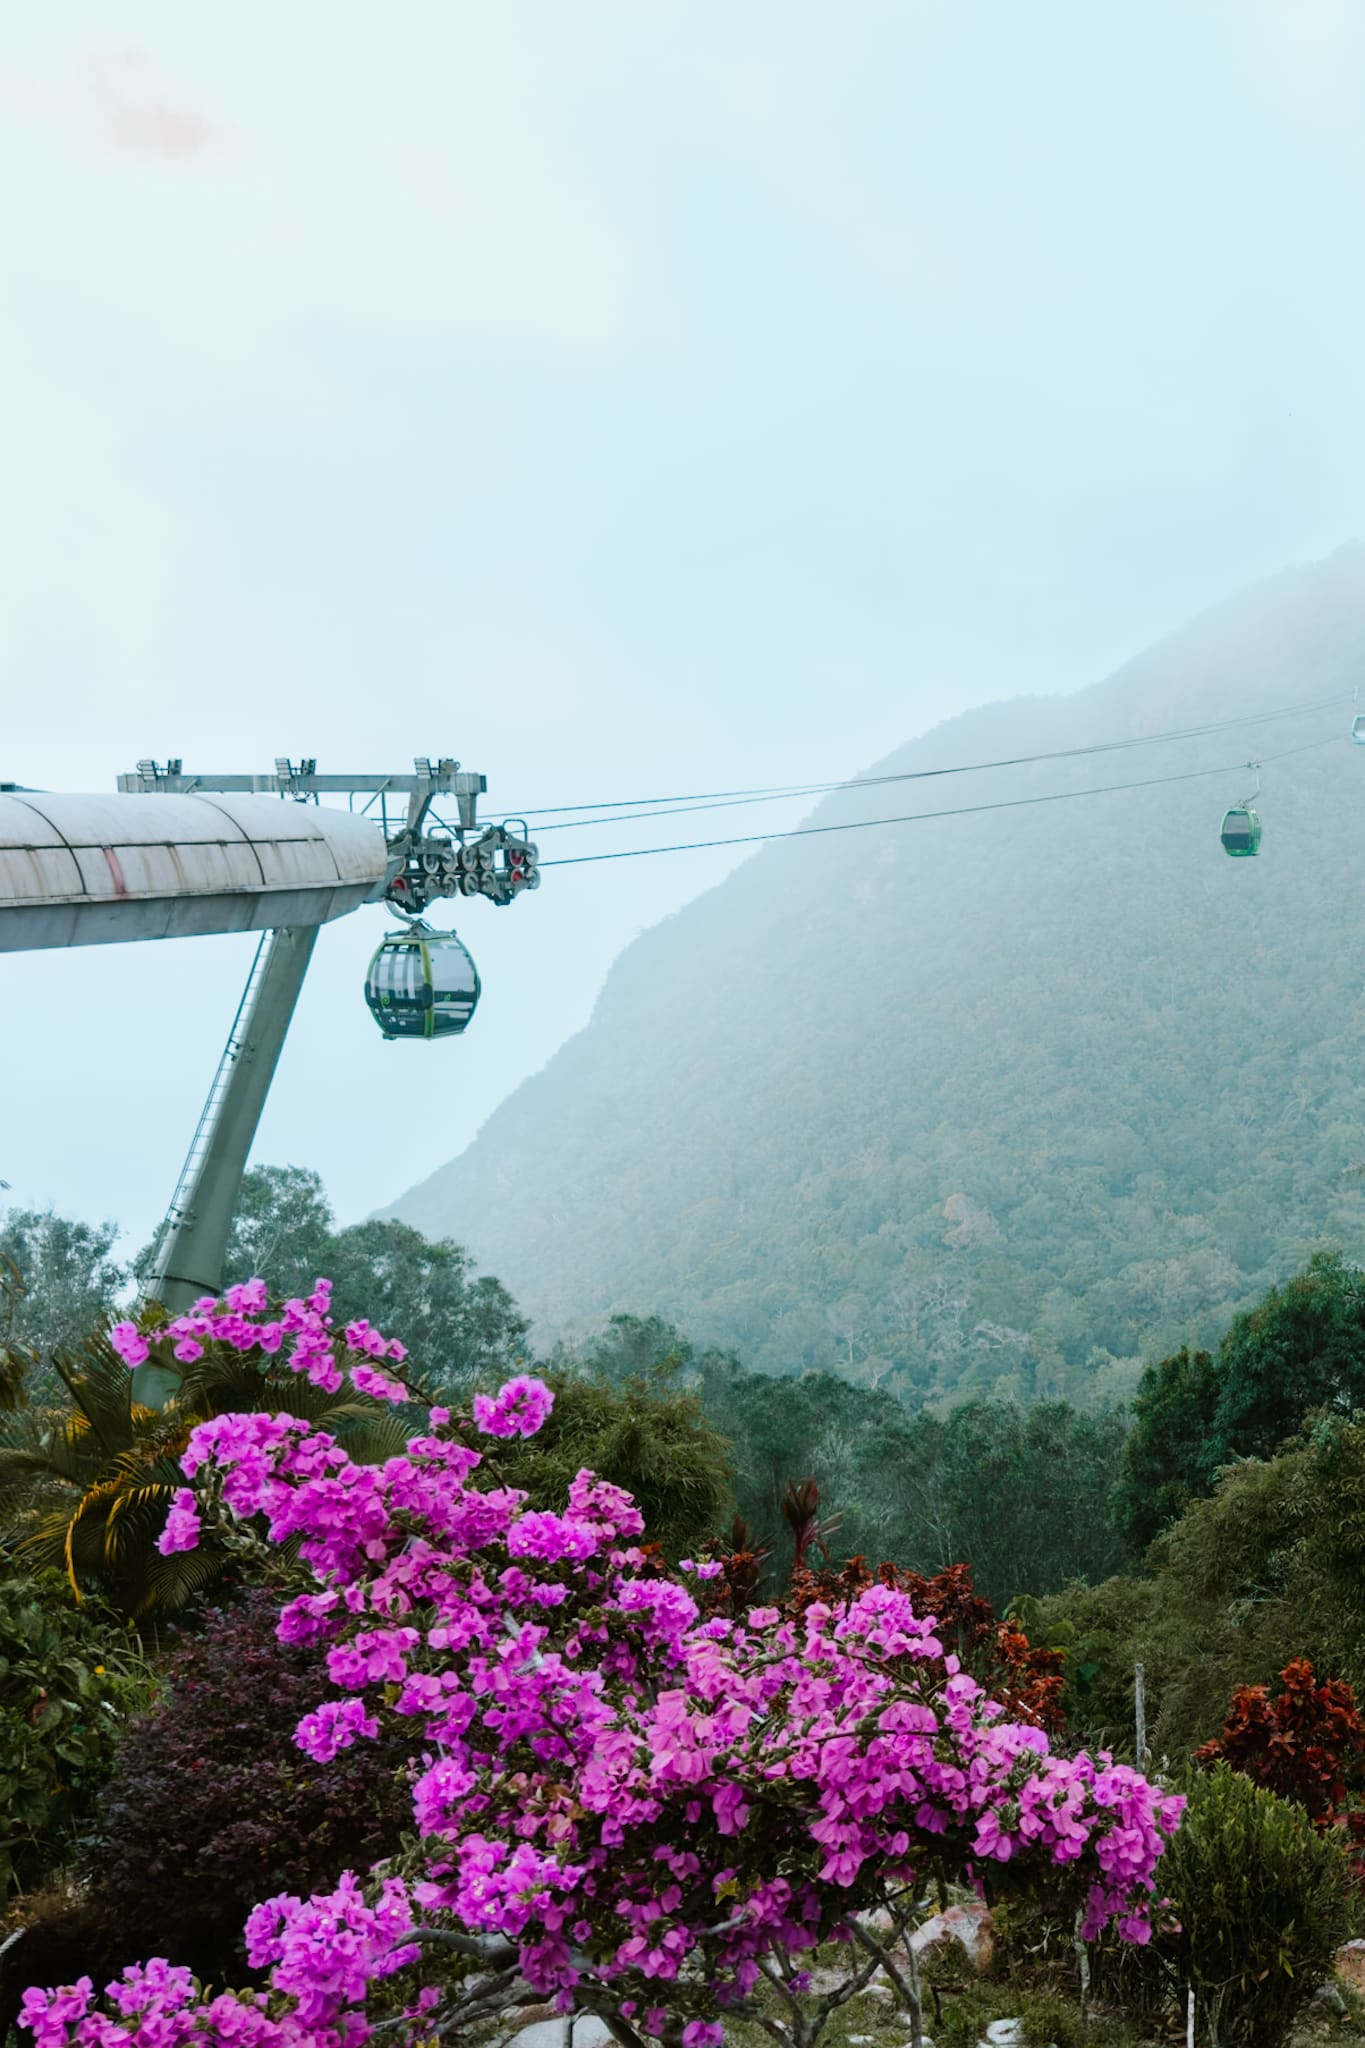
[{"x": 996, "y": 1101}]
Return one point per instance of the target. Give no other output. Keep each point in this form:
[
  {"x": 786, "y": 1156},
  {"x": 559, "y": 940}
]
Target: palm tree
[{"x": 86, "y": 1486}]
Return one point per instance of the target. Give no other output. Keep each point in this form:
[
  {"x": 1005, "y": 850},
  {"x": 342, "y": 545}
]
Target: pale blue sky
[{"x": 619, "y": 397}]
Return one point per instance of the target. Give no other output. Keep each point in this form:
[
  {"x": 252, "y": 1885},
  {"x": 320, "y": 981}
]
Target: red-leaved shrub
[{"x": 1308, "y": 1745}]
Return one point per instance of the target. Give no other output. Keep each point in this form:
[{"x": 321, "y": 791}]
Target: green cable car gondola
[
  {"x": 1241, "y": 833},
  {"x": 421, "y": 984}
]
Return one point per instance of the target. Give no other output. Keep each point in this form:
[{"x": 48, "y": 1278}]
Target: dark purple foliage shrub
[{"x": 211, "y": 1806}]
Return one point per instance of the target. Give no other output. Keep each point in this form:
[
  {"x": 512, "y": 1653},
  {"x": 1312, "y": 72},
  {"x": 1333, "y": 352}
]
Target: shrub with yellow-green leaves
[{"x": 69, "y": 1676}]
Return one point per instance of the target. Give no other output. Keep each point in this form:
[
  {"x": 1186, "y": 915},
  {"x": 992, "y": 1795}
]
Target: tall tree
[
  {"x": 1166, "y": 1459},
  {"x": 460, "y": 1327},
  {"x": 1021, "y": 1494},
  {"x": 281, "y": 1229},
  {"x": 1301, "y": 1349},
  {"x": 61, "y": 1278},
  {"x": 1270, "y": 1567},
  {"x": 630, "y": 1347}
]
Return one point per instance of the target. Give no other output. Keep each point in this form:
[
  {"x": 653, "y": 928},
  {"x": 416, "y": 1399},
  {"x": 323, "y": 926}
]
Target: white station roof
[{"x": 93, "y": 870}]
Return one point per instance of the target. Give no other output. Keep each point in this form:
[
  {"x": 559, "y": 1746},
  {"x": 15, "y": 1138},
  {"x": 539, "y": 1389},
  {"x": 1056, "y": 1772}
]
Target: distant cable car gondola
[
  {"x": 1358, "y": 730},
  {"x": 1241, "y": 833},
  {"x": 421, "y": 984}
]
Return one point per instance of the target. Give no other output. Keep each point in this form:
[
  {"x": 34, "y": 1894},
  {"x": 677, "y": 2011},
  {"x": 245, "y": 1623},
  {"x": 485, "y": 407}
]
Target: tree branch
[
  {"x": 909, "y": 1993},
  {"x": 487, "y": 1948}
]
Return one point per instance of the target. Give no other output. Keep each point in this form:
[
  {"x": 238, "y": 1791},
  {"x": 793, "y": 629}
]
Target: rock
[
  {"x": 1005, "y": 2034},
  {"x": 971, "y": 1925},
  {"x": 1350, "y": 1964},
  {"x": 861, "y": 2040},
  {"x": 587, "y": 2032},
  {"x": 822, "y": 1982},
  {"x": 531, "y": 2015},
  {"x": 1329, "y": 1997}
]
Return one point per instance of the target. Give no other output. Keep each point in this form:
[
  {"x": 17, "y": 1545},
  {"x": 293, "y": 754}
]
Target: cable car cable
[
  {"x": 916, "y": 817},
  {"x": 807, "y": 790},
  {"x": 719, "y": 798}
]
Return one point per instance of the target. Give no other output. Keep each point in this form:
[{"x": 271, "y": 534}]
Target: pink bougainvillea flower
[
  {"x": 519, "y": 1408},
  {"x": 130, "y": 1344},
  {"x": 643, "y": 1805}
]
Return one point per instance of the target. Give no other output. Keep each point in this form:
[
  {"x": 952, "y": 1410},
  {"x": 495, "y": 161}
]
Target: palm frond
[
  {"x": 130, "y": 1507},
  {"x": 218, "y": 1385},
  {"x": 170, "y": 1583},
  {"x": 117, "y": 1513},
  {"x": 100, "y": 1387},
  {"x": 86, "y": 1488},
  {"x": 16, "y": 1363},
  {"x": 375, "y": 1436}
]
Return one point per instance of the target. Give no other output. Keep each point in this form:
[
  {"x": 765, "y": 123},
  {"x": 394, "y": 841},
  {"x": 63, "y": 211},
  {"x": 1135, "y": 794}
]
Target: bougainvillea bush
[{"x": 621, "y": 1803}]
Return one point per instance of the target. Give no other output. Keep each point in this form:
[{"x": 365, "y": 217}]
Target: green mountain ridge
[{"x": 994, "y": 1102}]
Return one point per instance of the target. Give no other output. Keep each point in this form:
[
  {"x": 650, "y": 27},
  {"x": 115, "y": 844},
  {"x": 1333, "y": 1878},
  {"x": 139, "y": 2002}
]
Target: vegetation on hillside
[
  {"x": 1270, "y": 1567},
  {"x": 995, "y": 1106},
  {"x": 1298, "y": 1352},
  {"x": 1023, "y": 1492}
]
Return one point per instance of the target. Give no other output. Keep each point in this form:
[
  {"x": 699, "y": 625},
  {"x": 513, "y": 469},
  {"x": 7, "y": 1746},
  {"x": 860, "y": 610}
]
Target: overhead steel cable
[
  {"x": 1057, "y": 796},
  {"x": 628, "y": 809}
]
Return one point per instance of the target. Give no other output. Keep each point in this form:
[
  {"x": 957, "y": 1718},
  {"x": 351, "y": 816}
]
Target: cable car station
[{"x": 177, "y": 855}]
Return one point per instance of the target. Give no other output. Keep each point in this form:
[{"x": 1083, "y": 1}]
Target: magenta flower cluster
[
  {"x": 645, "y": 1804},
  {"x": 519, "y": 1408},
  {"x": 301, "y": 1334},
  {"x": 326, "y": 1953}
]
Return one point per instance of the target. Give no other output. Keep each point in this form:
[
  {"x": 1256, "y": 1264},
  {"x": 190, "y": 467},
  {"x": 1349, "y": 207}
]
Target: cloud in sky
[
  {"x": 117, "y": 102},
  {"x": 133, "y": 112}
]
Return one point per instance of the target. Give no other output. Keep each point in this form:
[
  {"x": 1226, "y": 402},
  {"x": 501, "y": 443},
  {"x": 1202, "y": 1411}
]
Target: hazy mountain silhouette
[{"x": 997, "y": 1100}]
